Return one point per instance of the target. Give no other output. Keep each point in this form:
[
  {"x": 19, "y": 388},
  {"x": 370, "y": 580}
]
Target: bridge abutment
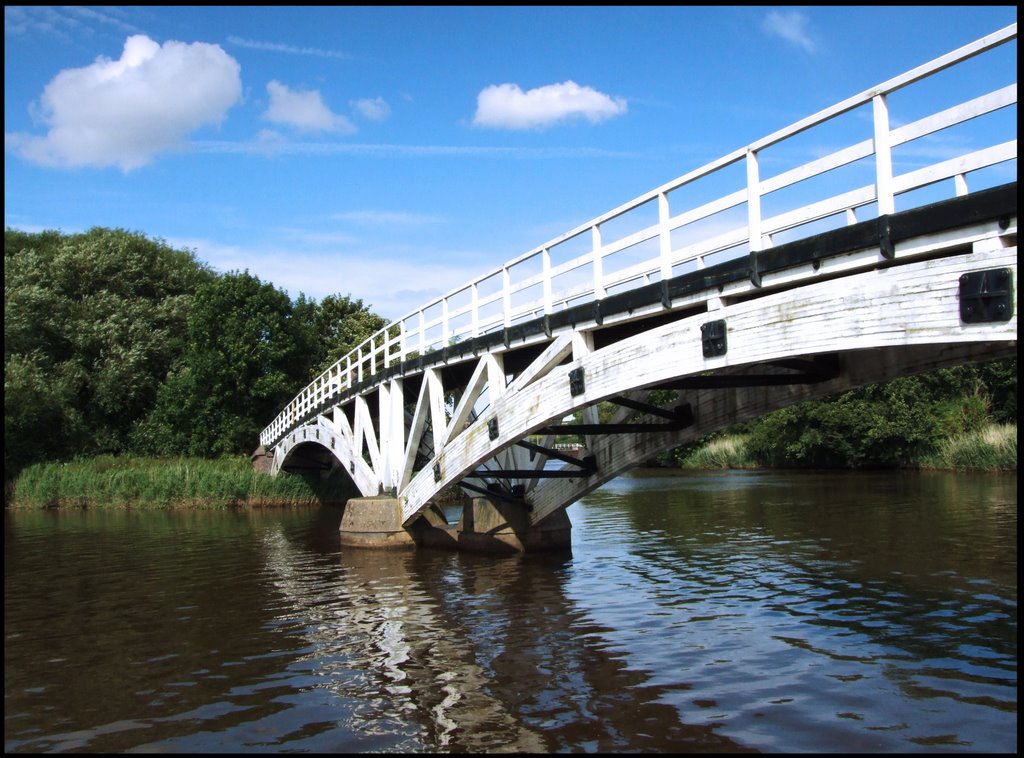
[
  {"x": 488, "y": 526},
  {"x": 262, "y": 460}
]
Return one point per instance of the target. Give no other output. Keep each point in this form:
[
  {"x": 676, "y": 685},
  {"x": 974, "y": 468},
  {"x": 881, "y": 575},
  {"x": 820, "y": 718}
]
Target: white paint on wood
[
  {"x": 990, "y": 156},
  {"x": 753, "y": 202},
  {"x": 438, "y": 422},
  {"x": 466, "y": 403},
  {"x": 979, "y": 106},
  {"x": 495, "y": 376},
  {"x": 396, "y": 435},
  {"x": 559, "y": 349},
  {"x": 883, "y": 157},
  {"x": 891, "y": 312}
]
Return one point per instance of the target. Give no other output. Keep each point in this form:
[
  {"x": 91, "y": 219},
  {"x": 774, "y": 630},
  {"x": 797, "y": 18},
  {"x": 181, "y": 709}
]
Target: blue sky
[{"x": 392, "y": 154}]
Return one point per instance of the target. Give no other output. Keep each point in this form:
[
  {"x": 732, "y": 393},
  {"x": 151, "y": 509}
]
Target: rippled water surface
[{"x": 725, "y": 612}]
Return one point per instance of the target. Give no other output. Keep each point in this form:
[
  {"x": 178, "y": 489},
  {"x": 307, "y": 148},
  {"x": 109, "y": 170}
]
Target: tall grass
[
  {"x": 112, "y": 482},
  {"x": 992, "y": 448},
  {"x": 729, "y": 451}
]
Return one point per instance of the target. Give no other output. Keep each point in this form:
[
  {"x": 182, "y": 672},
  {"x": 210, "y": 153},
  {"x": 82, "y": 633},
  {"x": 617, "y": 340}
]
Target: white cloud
[
  {"x": 342, "y": 269},
  {"x": 506, "y": 106},
  {"x": 303, "y": 110},
  {"x": 277, "y": 47},
  {"x": 375, "y": 110},
  {"x": 792, "y": 27},
  {"x": 269, "y": 142},
  {"x": 65, "y": 22},
  {"x": 125, "y": 112}
]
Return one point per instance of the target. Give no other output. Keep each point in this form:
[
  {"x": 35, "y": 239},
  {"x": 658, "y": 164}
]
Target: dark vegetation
[
  {"x": 962, "y": 417},
  {"x": 117, "y": 344}
]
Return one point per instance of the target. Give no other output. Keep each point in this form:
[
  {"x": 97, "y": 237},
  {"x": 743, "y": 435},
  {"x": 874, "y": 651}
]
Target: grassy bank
[
  {"x": 128, "y": 482},
  {"x": 992, "y": 448}
]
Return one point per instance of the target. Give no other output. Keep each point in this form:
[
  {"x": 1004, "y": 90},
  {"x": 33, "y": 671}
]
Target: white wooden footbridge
[{"x": 754, "y": 282}]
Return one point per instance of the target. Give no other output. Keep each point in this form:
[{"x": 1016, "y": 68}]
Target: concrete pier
[
  {"x": 374, "y": 522},
  {"x": 490, "y": 526},
  {"x": 497, "y": 526}
]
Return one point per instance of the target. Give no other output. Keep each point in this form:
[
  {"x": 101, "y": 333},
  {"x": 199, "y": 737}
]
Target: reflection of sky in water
[{"x": 755, "y": 609}]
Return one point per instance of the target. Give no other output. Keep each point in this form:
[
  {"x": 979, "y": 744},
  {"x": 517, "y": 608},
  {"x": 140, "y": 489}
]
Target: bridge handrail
[{"x": 491, "y": 302}]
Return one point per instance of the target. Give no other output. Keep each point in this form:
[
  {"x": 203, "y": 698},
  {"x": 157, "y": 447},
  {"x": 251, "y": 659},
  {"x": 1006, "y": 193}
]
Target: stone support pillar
[
  {"x": 376, "y": 522},
  {"x": 489, "y": 526},
  {"x": 500, "y": 526}
]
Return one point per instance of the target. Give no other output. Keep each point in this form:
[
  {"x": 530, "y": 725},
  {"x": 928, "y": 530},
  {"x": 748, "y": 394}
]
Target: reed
[
  {"x": 992, "y": 448},
  {"x": 119, "y": 482},
  {"x": 729, "y": 451}
]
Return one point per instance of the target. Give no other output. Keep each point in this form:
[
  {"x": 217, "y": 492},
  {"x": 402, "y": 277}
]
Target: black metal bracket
[
  {"x": 530, "y": 473},
  {"x": 986, "y": 296},
  {"x": 885, "y": 245},
  {"x": 585, "y": 467},
  {"x": 576, "y": 384},
  {"x": 712, "y": 337},
  {"x": 492, "y": 428}
]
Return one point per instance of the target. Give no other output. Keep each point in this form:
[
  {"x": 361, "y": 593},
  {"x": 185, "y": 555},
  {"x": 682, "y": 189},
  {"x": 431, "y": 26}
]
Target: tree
[
  {"x": 338, "y": 325},
  {"x": 92, "y": 323},
  {"x": 246, "y": 356}
]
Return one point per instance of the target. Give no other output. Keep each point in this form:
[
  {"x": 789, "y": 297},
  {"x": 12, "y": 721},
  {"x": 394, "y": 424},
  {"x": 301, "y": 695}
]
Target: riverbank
[
  {"x": 225, "y": 483},
  {"x": 990, "y": 449},
  {"x": 157, "y": 483}
]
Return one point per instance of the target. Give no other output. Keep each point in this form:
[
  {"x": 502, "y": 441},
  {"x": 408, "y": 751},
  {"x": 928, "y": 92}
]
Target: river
[{"x": 696, "y": 612}]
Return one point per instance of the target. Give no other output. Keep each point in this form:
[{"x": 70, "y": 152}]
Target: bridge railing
[{"x": 644, "y": 241}]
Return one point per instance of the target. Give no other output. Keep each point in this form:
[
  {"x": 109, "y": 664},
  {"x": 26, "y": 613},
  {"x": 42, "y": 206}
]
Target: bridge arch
[{"x": 317, "y": 446}]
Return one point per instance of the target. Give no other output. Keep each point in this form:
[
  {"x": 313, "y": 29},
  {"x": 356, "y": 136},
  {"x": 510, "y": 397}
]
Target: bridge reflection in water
[
  {"x": 465, "y": 664},
  {"x": 687, "y": 311}
]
